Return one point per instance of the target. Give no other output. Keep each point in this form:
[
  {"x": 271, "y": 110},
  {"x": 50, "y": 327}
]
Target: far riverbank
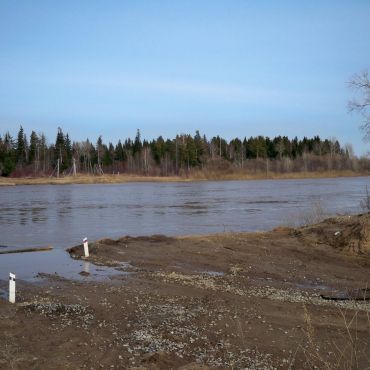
[{"x": 194, "y": 176}]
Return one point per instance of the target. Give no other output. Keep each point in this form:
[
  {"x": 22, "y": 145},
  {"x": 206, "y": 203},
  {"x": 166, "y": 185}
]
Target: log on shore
[{"x": 353, "y": 295}]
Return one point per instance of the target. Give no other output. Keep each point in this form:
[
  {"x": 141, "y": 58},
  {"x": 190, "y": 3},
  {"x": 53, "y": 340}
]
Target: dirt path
[{"x": 220, "y": 301}]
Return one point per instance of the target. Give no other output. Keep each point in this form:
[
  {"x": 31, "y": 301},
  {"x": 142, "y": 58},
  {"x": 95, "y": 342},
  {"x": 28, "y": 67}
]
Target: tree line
[{"x": 35, "y": 156}]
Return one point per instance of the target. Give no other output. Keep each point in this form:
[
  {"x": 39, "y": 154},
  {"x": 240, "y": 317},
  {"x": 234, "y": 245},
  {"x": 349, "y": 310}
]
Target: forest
[{"x": 180, "y": 156}]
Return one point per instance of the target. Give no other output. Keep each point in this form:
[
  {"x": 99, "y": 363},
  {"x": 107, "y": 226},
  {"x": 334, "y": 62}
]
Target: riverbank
[
  {"x": 232, "y": 300},
  {"x": 195, "y": 176}
]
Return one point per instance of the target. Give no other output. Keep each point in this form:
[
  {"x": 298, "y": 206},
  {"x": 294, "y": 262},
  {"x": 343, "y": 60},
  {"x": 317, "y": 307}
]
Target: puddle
[
  {"x": 28, "y": 266},
  {"x": 313, "y": 285},
  {"x": 329, "y": 293},
  {"x": 308, "y": 284},
  {"x": 4, "y": 295},
  {"x": 212, "y": 273}
]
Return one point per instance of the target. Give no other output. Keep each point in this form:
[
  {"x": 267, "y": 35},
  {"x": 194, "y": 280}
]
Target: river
[{"x": 62, "y": 216}]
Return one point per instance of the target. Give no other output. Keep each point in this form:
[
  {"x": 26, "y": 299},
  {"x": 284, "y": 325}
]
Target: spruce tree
[
  {"x": 33, "y": 147},
  {"x": 137, "y": 143},
  {"x": 21, "y": 147},
  {"x": 67, "y": 151},
  {"x": 59, "y": 145}
]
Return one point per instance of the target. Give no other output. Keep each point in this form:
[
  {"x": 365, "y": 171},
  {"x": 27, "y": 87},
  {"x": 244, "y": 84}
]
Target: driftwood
[
  {"x": 26, "y": 250},
  {"x": 354, "y": 295}
]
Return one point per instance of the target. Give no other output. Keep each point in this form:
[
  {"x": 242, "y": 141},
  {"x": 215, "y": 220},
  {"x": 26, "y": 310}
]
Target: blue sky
[{"x": 234, "y": 68}]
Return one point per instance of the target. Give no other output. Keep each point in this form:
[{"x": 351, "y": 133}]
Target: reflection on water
[
  {"x": 27, "y": 266},
  {"x": 86, "y": 265},
  {"x": 62, "y": 215}
]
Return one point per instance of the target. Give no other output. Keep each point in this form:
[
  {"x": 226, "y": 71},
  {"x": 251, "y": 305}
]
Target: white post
[
  {"x": 11, "y": 288},
  {"x": 86, "y": 247}
]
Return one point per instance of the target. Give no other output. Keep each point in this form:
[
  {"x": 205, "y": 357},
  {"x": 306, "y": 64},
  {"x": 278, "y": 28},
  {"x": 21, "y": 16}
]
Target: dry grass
[
  {"x": 85, "y": 179},
  {"x": 243, "y": 175},
  {"x": 193, "y": 176},
  {"x": 347, "y": 352}
]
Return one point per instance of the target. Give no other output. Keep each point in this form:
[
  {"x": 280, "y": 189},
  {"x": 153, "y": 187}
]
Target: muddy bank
[
  {"x": 348, "y": 234},
  {"x": 246, "y": 300}
]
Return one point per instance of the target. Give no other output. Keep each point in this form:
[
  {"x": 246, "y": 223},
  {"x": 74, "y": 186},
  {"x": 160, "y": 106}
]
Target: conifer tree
[
  {"x": 59, "y": 145},
  {"x": 137, "y": 143},
  {"x": 34, "y": 141},
  {"x": 67, "y": 151},
  {"x": 21, "y": 147}
]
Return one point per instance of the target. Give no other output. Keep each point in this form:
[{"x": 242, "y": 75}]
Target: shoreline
[
  {"x": 121, "y": 179},
  {"x": 217, "y": 301}
]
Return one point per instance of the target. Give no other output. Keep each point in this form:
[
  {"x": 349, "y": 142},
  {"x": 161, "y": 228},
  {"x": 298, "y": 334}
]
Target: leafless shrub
[
  {"x": 365, "y": 203},
  {"x": 312, "y": 215}
]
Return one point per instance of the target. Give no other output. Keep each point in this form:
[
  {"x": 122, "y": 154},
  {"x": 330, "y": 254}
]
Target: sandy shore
[{"x": 249, "y": 300}]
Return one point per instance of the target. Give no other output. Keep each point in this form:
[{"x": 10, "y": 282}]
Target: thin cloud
[{"x": 221, "y": 92}]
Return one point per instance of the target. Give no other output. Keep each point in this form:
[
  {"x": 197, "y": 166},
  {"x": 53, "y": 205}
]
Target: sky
[{"x": 233, "y": 68}]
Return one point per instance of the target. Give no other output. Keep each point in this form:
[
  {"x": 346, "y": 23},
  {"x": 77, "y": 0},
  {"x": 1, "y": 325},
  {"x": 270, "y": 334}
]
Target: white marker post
[
  {"x": 11, "y": 288},
  {"x": 86, "y": 247}
]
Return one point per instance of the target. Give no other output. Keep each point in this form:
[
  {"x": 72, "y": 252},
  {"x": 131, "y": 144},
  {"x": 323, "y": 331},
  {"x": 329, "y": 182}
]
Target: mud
[
  {"x": 241, "y": 300},
  {"x": 349, "y": 234}
]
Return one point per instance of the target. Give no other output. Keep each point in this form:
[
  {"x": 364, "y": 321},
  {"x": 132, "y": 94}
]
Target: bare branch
[{"x": 361, "y": 84}]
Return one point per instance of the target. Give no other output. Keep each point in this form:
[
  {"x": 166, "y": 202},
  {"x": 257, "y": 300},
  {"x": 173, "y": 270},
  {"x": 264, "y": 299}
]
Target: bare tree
[{"x": 361, "y": 102}]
